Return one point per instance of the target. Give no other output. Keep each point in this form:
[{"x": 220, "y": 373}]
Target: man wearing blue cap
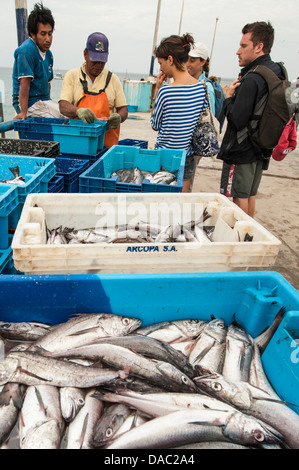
[{"x": 92, "y": 92}]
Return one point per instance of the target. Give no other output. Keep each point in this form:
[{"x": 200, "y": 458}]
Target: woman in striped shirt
[{"x": 177, "y": 105}]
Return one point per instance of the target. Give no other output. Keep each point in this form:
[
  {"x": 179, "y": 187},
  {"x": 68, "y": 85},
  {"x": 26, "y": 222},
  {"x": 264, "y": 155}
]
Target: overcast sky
[{"x": 130, "y": 26}]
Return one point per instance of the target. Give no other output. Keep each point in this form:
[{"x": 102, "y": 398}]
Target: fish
[
  {"x": 137, "y": 176},
  {"x": 209, "y": 349},
  {"x": 41, "y": 425},
  {"x": 159, "y": 373},
  {"x": 18, "y": 180},
  {"x": 11, "y": 401},
  {"x": 263, "y": 339},
  {"x": 173, "y": 331},
  {"x": 23, "y": 331},
  {"x": 83, "y": 329},
  {"x": 109, "y": 423},
  {"x": 257, "y": 376},
  {"x": 238, "y": 354},
  {"x": 187, "y": 426},
  {"x": 256, "y": 403},
  {"x": 71, "y": 401},
  {"x": 81, "y": 430},
  {"x": 34, "y": 369},
  {"x": 154, "y": 349}
]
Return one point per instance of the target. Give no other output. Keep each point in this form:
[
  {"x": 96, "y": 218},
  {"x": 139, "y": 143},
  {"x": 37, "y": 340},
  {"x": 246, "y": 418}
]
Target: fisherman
[
  {"x": 92, "y": 92},
  {"x": 243, "y": 165},
  {"x": 33, "y": 68}
]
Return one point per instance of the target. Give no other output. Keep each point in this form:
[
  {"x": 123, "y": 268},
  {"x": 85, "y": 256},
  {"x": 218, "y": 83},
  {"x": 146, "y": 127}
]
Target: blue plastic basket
[
  {"x": 91, "y": 158},
  {"x": 70, "y": 169},
  {"x": 98, "y": 177},
  {"x": 134, "y": 143},
  {"x": 6, "y": 259},
  {"x": 9, "y": 200},
  {"x": 56, "y": 184},
  {"x": 73, "y": 135},
  {"x": 36, "y": 171},
  {"x": 254, "y": 300},
  {"x": 33, "y": 148}
]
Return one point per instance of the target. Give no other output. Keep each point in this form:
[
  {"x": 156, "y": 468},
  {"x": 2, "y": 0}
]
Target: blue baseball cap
[{"x": 97, "y": 46}]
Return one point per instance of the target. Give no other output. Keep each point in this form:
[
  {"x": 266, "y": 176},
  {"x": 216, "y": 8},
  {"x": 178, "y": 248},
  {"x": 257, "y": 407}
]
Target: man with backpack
[{"x": 244, "y": 156}]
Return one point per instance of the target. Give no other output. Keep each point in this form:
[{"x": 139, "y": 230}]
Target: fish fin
[
  {"x": 274, "y": 400},
  {"x": 83, "y": 432},
  {"x": 83, "y": 332},
  {"x": 40, "y": 400},
  {"x": 202, "y": 354},
  {"x": 30, "y": 374}
]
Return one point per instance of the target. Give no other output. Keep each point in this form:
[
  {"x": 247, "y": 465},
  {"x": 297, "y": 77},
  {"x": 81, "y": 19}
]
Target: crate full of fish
[
  {"x": 9, "y": 201},
  {"x": 133, "y": 169},
  {"x": 138, "y": 233},
  {"x": 27, "y": 175},
  {"x": 33, "y": 148},
  {"x": 180, "y": 359},
  {"x": 73, "y": 135}
]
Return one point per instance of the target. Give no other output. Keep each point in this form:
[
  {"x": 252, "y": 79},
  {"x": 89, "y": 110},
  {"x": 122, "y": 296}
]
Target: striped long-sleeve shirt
[{"x": 175, "y": 114}]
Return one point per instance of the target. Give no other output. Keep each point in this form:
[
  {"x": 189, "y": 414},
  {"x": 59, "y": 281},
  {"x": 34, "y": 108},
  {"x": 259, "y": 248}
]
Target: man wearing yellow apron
[{"x": 92, "y": 92}]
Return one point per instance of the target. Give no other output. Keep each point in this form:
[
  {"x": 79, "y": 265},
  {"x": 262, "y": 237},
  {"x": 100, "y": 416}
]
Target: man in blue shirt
[{"x": 33, "y": 68}]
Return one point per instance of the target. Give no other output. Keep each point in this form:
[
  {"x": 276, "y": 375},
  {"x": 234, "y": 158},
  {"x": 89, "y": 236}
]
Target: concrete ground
[{"x": 277, "y": 201}]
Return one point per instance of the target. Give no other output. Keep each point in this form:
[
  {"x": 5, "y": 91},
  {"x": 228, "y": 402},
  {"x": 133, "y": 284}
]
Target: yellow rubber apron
[{"x": 98, "y": 103}]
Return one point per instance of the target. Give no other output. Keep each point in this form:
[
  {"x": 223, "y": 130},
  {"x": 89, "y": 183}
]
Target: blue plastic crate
[
  {"x": 143, "y": 144},
  {"x": 254, "y": 300},
  {"x": 70, "y": 169},
  {"x": 6, "y": 259},
  {"x": 73, "y": 135},
  {"x": 36, "y": 171},
  {"x": 91, "y": 158},
  {"x": 33, "y": 148},
  {"x": 98, "y": 177},
  {"x": 9, "y": 200},
  {"x": 56, "y": 184}
]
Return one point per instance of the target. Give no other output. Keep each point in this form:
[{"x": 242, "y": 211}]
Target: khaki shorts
[{"x": 241, "y": 181}]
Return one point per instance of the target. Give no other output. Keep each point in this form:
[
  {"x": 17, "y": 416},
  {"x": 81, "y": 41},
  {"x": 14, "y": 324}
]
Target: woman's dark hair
[
  {"x": 39, "y": 14},
  {"x": 176, "y": 46},
  {"x": 261, "y": 32},
  {"x": 206, "y": 67}
]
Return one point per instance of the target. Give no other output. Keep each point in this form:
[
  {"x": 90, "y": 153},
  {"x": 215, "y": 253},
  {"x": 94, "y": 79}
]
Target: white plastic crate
[{"x": 227, "y": 251}]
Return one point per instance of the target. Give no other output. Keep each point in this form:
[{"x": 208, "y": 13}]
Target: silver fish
[
  {"x": 255, "y": 402},
  {"x": 257, "y": 376},
  {"x": 71, "y": 401},
  {"x": 23, "y": 331},
  {"x": 183, "y": 427},
  {"x": 238, "y": 354},
  {"x": 173, "y": 331},
  {"x": 81, "y": 429},
  {"x": 33, "y": 369},
  {"x": 83, "y": 329},
  {"x": 11, "y": 400},
  {"x": 209, "y": 349},
  {"x": 41, "y": 425},
  {"x": 154, "y": 349},
  {"x": 157, "y": 372},
  {"x": 109, "y": 423}
]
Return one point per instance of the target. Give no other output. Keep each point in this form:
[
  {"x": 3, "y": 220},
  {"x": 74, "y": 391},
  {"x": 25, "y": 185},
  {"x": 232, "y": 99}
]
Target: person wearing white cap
[{"x": 198, "y": 67}]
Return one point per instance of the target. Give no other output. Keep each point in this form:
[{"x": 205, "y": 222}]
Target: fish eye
[
  {"x": 81, "y": 401},
  {"x": 216, "y": 386},
  {"x": 109, "y": 432},
  {"x": 259, "y": 436},
  {"x": 126, "y": 321},
  {"x": 184, "y": 379}
]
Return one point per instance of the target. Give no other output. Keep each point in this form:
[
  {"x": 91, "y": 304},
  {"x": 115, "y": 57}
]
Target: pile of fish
[
  {"x": 141, "y": 232},
  {"x": 137, "y": 176},
  {"x": 105, "y": 381}
]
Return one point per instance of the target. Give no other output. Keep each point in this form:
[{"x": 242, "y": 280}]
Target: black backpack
[{"x": 273, "y": 111}]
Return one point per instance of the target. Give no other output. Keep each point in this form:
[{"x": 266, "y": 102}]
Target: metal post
[
  {"x": 181, "y": 18},
  {"x": 21, "y": 18},
  {"x": 155, "y": 39},
  {"x": 213, "y": 41}
]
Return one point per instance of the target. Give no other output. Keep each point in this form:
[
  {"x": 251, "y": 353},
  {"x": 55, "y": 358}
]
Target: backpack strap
[{"x": 85, "y": 85}]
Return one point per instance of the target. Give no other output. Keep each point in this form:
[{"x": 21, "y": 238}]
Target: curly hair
[
  {"x": 39, "y": 14},
  {"x": 176, "y": 46}
]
